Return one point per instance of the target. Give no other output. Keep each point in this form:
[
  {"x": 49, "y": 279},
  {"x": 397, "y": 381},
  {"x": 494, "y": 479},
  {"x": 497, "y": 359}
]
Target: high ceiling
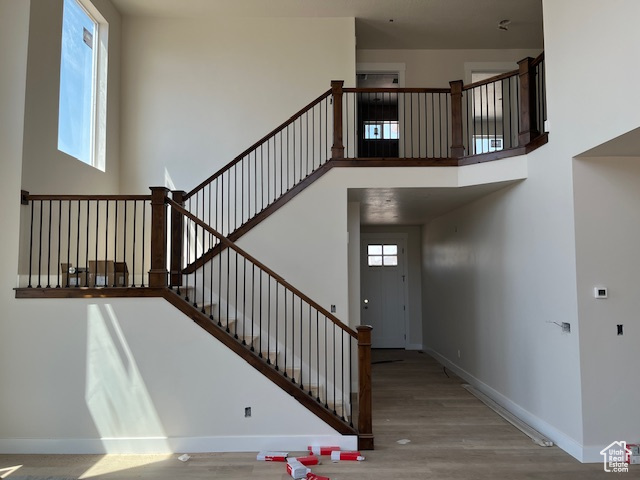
[{"x": 382, "y": 24}]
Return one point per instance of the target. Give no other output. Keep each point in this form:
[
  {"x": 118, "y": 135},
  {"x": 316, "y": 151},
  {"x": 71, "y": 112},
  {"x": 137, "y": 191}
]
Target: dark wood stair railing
[
  {"x": 496, "y": 118},
  {"x": 300, "y": 346},
  {"x": 132, "y": 230},
  {"x": 282, "y": 327}
]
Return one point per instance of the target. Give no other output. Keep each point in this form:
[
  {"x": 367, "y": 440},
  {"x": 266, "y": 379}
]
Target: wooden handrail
[
  {"x": 496, "y": 78},
  {"x": 396, "y": 90},
  {"x": 229, "y": 244},
  {"x": 273, "y": 132},
  {"x": 537, "y": 60},
  {"x": 87, "y": 197}
]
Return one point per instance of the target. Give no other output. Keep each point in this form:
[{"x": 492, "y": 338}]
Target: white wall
[
  {"x": 306, "y": 241},
  {"x": 580, "y": 117},
  {"x": 581, "y": 120},
  {"x": 45, "y": 169},
  {"x": 495, "y": 273},
  {"x": 512, "y": 256},
  {"x": 197, "y": 92},
  {"x": 14, "y": 31},
  {"x": 607, "y": 195},
  {"x": 136, "y": 375},
  {"x": 436, "y": 68}
]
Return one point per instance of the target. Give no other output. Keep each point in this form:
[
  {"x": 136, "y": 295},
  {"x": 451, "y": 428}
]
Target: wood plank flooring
[{"x": 452, "y": 436}]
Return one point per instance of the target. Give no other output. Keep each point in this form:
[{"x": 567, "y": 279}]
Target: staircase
[{"x": 182, "y": 248}]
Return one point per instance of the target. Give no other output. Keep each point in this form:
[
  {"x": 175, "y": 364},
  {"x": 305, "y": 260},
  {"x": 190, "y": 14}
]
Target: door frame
[
  {"x": 368, "y": 237},
  {"x": 397, "y": 68}
]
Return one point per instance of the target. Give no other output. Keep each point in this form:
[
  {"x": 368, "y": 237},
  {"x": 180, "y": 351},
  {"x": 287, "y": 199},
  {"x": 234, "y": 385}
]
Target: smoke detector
[{"x": 504, "y": 25}]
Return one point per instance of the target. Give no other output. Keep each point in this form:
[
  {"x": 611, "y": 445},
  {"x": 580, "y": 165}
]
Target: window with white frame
[
  {"x": 381, "y": 130},
  {"x": 487, "y": 143},
  {"x": 382, "y": 255},
  {"x": 83, "y": 83}
]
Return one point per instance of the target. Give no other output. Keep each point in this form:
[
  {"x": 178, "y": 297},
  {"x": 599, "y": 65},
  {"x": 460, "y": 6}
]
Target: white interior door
[{"x": 383, "y": 288}]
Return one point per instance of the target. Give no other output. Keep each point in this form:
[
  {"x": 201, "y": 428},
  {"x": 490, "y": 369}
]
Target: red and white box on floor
[
  {"x": 634, "y": 457},
  {"x": 272, "y": 456},
  {"x": 296, "y": 469}
]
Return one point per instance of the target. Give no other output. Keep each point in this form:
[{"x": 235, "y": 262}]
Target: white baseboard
[
  {"x": 173, "y": 444},
  {"x": 561, "y": 439}
]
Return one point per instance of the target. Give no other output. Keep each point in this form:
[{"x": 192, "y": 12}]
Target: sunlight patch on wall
[{"x": 116, "y": 394}]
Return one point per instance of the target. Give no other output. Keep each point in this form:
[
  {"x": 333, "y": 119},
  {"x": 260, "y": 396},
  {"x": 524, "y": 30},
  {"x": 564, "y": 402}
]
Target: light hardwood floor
[{"x": 452, "y": 436}]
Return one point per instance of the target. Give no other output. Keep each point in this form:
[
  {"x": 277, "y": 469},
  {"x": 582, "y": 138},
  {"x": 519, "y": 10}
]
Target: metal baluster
[
  {"x": 30, "y": 246},
  {"x": 495, "y": 118},
  {"x": 309, "y": 351},
  {"x": 418, "y": 118},
  {"x": 133, "y": 260},
  {"x": 40, "y": 249},
  {"x": 517, "y": 89},
  {"x": 124, "y": 240},
  {"x": 446, "y": 123},
  {"x": 344, "y": 402},
  {"x": 244, "y": 295},
  {"x": 144, "y": 227},
  {"x": 77, "y": 282},
  {"x": 253, "y": 300},
  {"x": 260, "y": 315},
  {"x": 317, "y": 354},
  {"x": 188, "y": 235},
  {"x": 333, "y": 334},
  {"x": 220, "y": 287},
  {"x": 211, "y": 262},
  {"x": 433, "y": 125},
  {"x": 228, "y": 250},
  {"x": 269, "y": 318},
  {"x": 59, "y": 239},
  {"x": 68, "y": 243},
  {"x": 236, "y": 293},
  {"x": 49, "y": 249},
  {"x": 326, "y": 368},
  {"x": 285, "y": 330}
]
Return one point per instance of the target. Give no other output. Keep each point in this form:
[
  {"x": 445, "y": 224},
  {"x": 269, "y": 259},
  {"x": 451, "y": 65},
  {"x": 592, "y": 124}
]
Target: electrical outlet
[
  {"x": 566, "y": 327},
  {"x": 247, "y": 412},
  {"x": 458, "y": 353}
]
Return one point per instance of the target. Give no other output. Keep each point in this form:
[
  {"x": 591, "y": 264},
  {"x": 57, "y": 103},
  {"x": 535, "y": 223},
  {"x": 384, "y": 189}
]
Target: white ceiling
[
  {"x": 415, "y": 206},
  {"x": 417, "y": 24},
  {"x": 627, "y": 145}
]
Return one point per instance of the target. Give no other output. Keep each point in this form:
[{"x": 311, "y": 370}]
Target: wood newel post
[
  {"x": 337, "y": 150},
  {"x": 457, "y": 145},
  {"x": 177, "y": 229},
  {"x": 158, "y": 273},
  {"x": 528, "y": 126},
  {"x": 365, "y": 429}
]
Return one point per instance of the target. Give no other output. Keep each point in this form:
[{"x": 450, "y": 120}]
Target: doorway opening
[{"x": 378, "y": 117}]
